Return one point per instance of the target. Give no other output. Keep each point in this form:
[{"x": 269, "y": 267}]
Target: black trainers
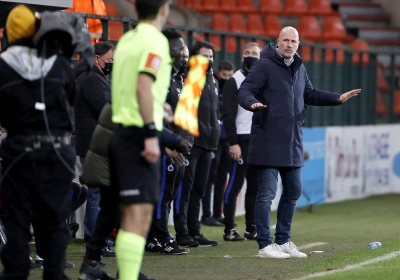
[
  {"x": 35, "y": 265},
  {"x": 251, "y": 235},
  {"x": 40, "y": 261},
  {"x": 108, "y": 252},
  {"x": 154, "y": 246},
  {"x": 144, "y": 277},
  {"x": 186, "y": 241},
  {"x": 233, "y": 235},
  {"x": 171, "y": 248},
  {"x": 212, "y": 222},
  {"x": 204, "y": 242},
  {"x": 93, "y": 271}
]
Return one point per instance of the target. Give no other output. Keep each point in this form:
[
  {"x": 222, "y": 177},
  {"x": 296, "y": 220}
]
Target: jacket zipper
[{"x": 294, "y": 120}]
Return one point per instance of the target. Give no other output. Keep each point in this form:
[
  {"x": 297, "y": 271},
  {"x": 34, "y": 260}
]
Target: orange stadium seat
[
  {"x": 197, "y": 4},
  {"x": 295, "y": 7},
  {"x": 219, "y": 22},
  {"x": 397, "y": 102},
  {"x": 246, "y": 6},
  {"x": 381, "y": 81},
  {"x": 236, "y": 24},
  {"x": 359, "y": 45},
  {"x": 320, "y": 7},
  {"x": 210, "y": 6},
  {"x": 329, "y": 54},
  {"x": 309, "y": 28},
  {"x": 333, "y": 29},
  {"x": 306, "y": 53},
  {"x": 272, "y": 26},
  {"x": 381, "y": 108},
  {"x": 228, "y": 6},
  {"x": 112, "y": 9},
  {"x": 271, "y": 6},
  {"x": 188, "y": 3},
  {"x": 115, "y": 29},
  {"x": 255, "y": 25}
]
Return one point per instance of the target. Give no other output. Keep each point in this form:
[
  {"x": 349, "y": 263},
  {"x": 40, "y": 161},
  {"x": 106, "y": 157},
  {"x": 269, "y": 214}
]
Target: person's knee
[{"x": 137, "y": 218}]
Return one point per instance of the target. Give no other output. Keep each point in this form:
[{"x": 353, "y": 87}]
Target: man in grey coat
[{"x": 277, "y": 90}]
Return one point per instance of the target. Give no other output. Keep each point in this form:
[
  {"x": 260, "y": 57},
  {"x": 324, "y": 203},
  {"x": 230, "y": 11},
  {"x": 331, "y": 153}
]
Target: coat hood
[
  {"x": 26, "y": 63},
  {"x": 81, "y": 67},
  {"x": 270, "y": 52}
]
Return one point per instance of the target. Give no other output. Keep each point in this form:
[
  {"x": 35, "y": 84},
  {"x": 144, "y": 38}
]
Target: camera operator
[{"x": 35, "y": 94}]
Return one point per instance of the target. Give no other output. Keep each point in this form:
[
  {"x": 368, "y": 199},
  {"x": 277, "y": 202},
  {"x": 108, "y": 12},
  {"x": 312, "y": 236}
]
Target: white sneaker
[
  {"x": 291, "y": 249},
  {"x": 273, "y": 251}
]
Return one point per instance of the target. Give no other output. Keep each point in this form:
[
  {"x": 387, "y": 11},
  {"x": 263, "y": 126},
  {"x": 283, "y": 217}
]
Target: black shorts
[{"x": 137, "y": 180}]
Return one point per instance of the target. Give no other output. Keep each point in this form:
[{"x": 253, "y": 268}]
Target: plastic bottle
[{"x": 374, "y": 245}]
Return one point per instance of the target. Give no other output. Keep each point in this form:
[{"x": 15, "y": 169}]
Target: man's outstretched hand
[
  {"x": 347, "y": 95},
  {"x": 258, "y": 106}
]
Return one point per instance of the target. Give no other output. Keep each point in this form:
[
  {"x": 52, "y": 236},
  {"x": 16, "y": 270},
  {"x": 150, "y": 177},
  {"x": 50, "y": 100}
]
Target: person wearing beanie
[
  {"x": 22, "y": 23},
  {"x": 36, "y": 118}
]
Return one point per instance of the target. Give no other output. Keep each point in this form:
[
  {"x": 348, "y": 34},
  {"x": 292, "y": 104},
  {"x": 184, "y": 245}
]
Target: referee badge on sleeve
[{"x": 153, "y": 62}]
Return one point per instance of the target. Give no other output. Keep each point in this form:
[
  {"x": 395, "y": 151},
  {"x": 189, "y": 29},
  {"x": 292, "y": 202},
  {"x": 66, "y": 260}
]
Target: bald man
[{"x": 277, "y": 90}]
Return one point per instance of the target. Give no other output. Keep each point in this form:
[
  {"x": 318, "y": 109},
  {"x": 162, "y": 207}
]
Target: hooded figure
[{"x": 38, "y": 161}]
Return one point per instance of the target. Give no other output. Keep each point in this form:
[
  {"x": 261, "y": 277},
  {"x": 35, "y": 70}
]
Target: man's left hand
[
  {"x": 346, "y": 96},
  {"x": 175, "y": 157}
]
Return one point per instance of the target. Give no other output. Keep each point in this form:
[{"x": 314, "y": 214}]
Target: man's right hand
[
  {"x": 151, "y": 152},
  {"x": 184, "y": 147},
  {"x": 258, "y": 106},
  {"x": 235, "y": 152}
]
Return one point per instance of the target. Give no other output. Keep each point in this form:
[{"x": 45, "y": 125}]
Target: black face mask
[
  {"x": 210, "y": 66},
  {"x": 248, "y": 61},
  {"x": 107, "y": 68},
  {"x": 184, "y": 67}
]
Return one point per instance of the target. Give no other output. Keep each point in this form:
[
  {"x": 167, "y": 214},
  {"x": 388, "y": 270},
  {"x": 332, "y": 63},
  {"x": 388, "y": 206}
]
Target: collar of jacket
[
  {"x": 271, "y": 53},
  {"x": 96, "y": 70}
]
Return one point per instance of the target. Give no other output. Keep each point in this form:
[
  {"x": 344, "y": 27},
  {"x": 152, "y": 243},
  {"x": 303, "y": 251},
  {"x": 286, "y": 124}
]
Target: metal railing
[{"x": 337, "y": 76}]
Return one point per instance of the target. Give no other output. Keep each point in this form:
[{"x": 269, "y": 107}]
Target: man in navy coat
[{"x": 277, "y": 90}]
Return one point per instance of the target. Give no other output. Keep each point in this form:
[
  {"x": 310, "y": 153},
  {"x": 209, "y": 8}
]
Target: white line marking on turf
[
  {"x": 315, "y": 244},
  {"x": 353, "y": 266}
]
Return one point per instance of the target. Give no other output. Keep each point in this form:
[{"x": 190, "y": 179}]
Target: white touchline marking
[
  {"x": 315, "y": 244},
  {"x": 352, "y": 266}
]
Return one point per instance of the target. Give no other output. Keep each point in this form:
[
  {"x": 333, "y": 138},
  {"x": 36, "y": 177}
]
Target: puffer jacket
[
  {"x": 96, "y": 167},
  {"x": 276, "y": 137},
  {"x": 209, "y": 126}
]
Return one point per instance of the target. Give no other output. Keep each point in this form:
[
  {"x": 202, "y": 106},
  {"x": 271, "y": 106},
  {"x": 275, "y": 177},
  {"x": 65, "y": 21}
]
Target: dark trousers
[
  {"x": 239, "y": 172},
  {"x": 78, "y": 197},
  {"x": 107, "y": 221},
  {"x": 170, "y": 182},
  {"x": 218, "y": 174},
  {"x": 187, "y": 203},
  {"x": 44, "y": 185}
]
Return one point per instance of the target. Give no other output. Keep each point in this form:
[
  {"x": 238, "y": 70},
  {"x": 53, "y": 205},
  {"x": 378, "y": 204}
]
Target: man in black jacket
[
  {"x": 237, "y": 123},
  {"x": 35, "y": 93},
  {"x": 94, "y": 92},
  {"x": 187, "y": 210},
  {"x": 219, "y": 168},
  {"x": 277, "y": 90},
  {"x": 172, "y": 163}
]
